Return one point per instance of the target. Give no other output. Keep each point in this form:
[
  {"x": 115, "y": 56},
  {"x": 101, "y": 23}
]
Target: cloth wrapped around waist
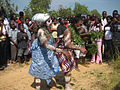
[{"x": 2, "y": 38}]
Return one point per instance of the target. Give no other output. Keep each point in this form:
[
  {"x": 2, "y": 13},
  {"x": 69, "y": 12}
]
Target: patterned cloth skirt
[
  {"x": 66, "y": 63},
  {"x": 44, "y": 64}
]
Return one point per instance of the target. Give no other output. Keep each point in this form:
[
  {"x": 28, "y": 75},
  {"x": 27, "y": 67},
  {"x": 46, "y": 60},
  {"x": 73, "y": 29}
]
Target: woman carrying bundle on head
[{"x": 44, "y": 64}]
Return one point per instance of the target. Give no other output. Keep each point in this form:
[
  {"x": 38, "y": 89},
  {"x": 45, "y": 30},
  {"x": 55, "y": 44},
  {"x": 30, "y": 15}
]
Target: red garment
[
  {"x": 93, "y": 22},
  {"x": 67, "y": 25},
  {"x": 18, "y": 21},
  {"x": 49, "y": 28}
]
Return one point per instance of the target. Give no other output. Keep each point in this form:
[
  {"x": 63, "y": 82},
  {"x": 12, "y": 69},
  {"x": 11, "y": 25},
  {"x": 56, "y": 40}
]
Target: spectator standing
[
  {"x": 108, "y": 39},
  {"x": 97, "y": 26},
  {"x": 54, "y": 28},
  {"x": 3, "y": 45},
  {"x": 13, "y": 38},
  {"x": 22, "y": 39},
  {"x": 116, "y": 36},
  {"x": 104, "y": 19}
]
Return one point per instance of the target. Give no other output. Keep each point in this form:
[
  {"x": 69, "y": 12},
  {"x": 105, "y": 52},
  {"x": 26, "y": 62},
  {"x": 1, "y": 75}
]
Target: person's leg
[
  {"x": 67, "y": 81},
  {"x": 6, "y": 55},
  {"x": 25, "y": 58},
  {"x": 93, "y": 58},
  {"x": 99, "y": 54},
  {"x": 77, "y": 56},
  {"x": 13, "y": 53},
  {"x": 1, "y": 56},
  {"x": 20, "y": 52},
  {"x": 25, "y": 55},
  {"x": 83, "y": 59},
  {"x": 19, "y": 59},
  {"x": 77, "y": 61},
  {"x": 105, "y": 50},
  {"x": 37, "y": 83}
]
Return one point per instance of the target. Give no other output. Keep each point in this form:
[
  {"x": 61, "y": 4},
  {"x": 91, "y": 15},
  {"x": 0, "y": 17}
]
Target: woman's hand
[{"x": 83, "y": 50}]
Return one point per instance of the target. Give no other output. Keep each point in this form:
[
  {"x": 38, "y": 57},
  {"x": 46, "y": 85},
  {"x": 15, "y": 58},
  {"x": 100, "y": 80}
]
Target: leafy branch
[
  {"x": 92, "y": 48},
  {"x": 76, "y": 37}
]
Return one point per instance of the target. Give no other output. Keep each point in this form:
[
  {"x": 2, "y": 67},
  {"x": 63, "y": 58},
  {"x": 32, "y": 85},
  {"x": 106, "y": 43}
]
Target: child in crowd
[{"x": 22, "y": 40}]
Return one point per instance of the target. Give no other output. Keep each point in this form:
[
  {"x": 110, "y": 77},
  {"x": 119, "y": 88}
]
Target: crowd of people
[{"x": 53, "y": 44}]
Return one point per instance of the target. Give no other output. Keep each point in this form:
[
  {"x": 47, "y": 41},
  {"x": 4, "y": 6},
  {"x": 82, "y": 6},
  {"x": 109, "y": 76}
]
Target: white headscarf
[{"x": 40, "y": 18}]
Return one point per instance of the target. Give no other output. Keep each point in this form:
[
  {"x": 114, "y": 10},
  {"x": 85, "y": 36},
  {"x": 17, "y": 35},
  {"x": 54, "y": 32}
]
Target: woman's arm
[
  {"x": 68, "y": 43},
  {"x": 43, "y": 40}
]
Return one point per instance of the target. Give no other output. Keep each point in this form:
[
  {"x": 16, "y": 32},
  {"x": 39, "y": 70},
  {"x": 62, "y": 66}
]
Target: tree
[
  {"x": 7, "y": 8},
  {"x": 39, "y": 6},
  {"x": 65, "y": 12},
  {"x": 54, "y": 13},
  {"x": 27, "y": 12},
  {"x": 94, "y": 11},
  {"x": 80, "y": 9}
]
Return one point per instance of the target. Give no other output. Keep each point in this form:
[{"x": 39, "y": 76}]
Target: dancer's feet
[{"x": 37, "y": 82}]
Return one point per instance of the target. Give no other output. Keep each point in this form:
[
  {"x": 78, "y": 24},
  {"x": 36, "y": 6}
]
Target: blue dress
[{"x": 44, "y": 64}]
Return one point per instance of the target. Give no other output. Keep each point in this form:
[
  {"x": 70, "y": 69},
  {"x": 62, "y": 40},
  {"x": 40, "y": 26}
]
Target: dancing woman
[
  {"x": 65, "y": 43},
  {"x": 44, "y": 64}
]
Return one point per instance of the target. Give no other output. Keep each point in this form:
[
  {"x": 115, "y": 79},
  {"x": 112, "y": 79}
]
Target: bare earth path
[{"x": 90, "y": 77}]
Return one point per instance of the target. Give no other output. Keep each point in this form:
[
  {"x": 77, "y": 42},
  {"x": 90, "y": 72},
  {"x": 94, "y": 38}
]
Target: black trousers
[{"x": 3, "y": 53}]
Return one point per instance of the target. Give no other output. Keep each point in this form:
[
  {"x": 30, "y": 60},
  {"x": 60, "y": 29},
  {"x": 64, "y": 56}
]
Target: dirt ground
[{"x": 90, "y": 77}]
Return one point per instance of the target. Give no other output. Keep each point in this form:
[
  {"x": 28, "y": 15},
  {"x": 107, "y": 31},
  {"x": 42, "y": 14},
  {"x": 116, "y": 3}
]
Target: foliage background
[
  {"x": 7, "y": 8},
  {"x": 43, "y": 6}
]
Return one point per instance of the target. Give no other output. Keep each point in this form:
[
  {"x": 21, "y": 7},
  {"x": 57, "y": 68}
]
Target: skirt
[{"x": 44, "y": 64}]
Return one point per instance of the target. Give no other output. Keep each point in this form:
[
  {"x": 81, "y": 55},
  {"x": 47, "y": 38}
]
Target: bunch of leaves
[
  {"x": 92, "y": 48},
  {"x": 76, "y": 37},
  {"x": 96, "y": 34}
]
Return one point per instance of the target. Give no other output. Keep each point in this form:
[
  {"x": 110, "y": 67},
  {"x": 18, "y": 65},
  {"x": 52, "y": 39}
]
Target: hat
[{"x": 40, "y": 18}]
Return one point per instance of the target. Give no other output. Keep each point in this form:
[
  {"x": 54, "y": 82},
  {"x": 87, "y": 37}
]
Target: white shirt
[
  {"x": 104, "y": 22},
  {"x": 55, "y": 26},
  {"x": 108, "y": 33}
]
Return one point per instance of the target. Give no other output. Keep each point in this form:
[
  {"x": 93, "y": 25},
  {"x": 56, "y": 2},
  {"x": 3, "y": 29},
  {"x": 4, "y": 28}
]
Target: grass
[
  {"x": 115, "y": 75},
  {"x": 74, "y": 80},
  {"x": 82, "y": 89}
]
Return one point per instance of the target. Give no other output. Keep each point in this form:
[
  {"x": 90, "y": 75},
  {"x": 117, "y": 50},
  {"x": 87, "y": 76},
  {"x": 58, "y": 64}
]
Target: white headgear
[{"x": 40, "y": 18}]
